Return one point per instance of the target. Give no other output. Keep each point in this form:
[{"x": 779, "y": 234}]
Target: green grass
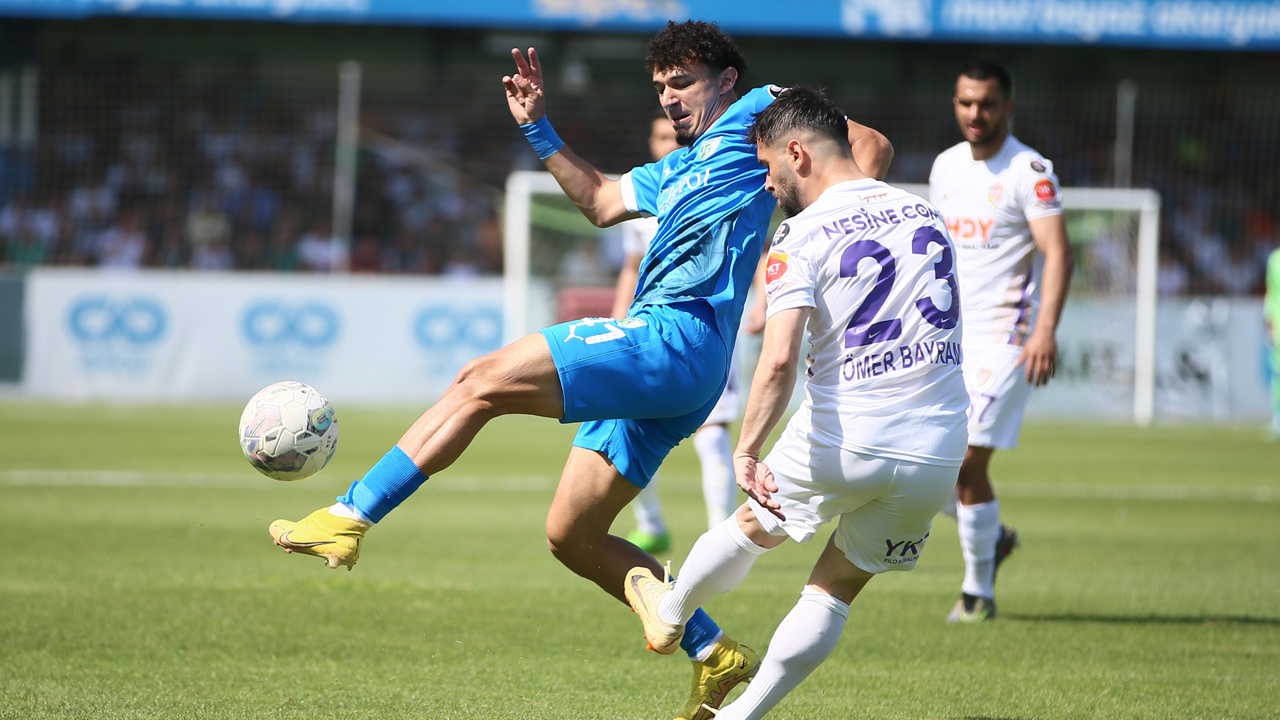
[{"x": 138, "y": 581}]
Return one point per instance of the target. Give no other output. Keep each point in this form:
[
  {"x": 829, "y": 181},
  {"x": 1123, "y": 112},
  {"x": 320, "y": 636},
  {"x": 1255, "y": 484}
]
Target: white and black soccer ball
[{"x": 288, "y": 431}]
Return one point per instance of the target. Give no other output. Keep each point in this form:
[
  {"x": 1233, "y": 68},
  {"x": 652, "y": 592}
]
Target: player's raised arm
[
  {"x": 598, "y": 197},
  {"x": 871, "y": 150}
]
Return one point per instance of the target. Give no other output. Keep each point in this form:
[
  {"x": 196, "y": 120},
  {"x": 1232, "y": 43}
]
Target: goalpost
[{"x": 1107, "y": 336}]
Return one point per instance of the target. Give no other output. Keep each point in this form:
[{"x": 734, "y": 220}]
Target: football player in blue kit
[{"x": 638, "y": 385}]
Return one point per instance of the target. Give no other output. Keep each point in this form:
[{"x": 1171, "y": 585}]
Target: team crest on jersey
[
  {"x": 1045, "y": 191},
  {"x": 776, "y": 267},
  {"x": 994, "y": 193},
  {"x": 984, "y": 376},
  {"x": 1037, "y": 166},
  {"x": 708, "y": 148}
]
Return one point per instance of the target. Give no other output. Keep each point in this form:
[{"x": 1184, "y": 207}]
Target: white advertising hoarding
[
  {"x": 187, "y": 335},
  {"x": 176, "y": 336},
  {"x": 1210, "y": 362}
]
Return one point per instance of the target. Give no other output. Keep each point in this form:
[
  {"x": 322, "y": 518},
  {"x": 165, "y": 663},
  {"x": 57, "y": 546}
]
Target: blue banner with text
[{"x": 1200, "y": 24}]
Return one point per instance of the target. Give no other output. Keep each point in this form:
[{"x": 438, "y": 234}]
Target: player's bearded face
[
  {"x": 694, "y": 97},
  {"x": 982, "y": 111},
  {"x": 781, "y": 182}
]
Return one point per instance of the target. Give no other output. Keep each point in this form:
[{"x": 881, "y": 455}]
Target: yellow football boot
[
  {"x": 323, "y": 534},
  {"x": 645, "y": 592},
  {"x": 728, "y": 665}
]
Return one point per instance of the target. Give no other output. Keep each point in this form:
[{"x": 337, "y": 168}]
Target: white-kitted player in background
[
  {"x": 866, "y": 270},
  {"x": 711, "y": 441},
  {"x": 1001, "y": 202}
]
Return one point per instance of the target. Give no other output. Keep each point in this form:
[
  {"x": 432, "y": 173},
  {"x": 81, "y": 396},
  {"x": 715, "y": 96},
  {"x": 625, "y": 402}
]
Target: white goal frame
[{"x": 522, "y": 184}]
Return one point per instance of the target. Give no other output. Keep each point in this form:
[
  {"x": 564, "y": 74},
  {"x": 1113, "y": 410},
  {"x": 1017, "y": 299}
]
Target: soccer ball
[{"x": 288, "y": 431}]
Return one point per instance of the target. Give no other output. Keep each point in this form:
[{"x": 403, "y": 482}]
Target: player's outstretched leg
[
  {"x": 519, "y": 378},
  {"x": 718, "y": 562},
  {"x": 806, "y": 637}
]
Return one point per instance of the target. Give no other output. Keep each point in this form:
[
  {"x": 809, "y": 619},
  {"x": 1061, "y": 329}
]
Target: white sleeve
[
  {"x": 637, "y": 234},
  {"x": 629, "y": 193},
  {"x": 789, "y": 279}
]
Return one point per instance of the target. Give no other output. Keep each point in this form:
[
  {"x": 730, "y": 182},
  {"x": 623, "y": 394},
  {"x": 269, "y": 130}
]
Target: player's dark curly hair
[
  {"x": 694, "y": 41},
  {"x": 800, "y": 109}
]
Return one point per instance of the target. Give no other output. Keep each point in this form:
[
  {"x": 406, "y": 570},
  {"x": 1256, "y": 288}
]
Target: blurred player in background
[
  {"x": 1001, "y": 202},
  {"x": 638, "y": 385},
  {"x": 867, "y": 270},
  {"x": 712, "y": 439},
  {"x": 1271, "y": 315}
]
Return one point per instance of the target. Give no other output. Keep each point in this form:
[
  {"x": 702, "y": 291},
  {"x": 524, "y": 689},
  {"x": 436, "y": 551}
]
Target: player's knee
[
  {"x": 478, "y": 383},
  {"x": 564, "y": 547}
]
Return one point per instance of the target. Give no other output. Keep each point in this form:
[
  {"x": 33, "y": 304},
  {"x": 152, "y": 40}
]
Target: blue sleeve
[
  {"x": 761, "y": 97},
  {"x": 640, "y": 188}
]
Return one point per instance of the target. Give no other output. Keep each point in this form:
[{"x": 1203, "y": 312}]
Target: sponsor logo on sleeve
[
  {"x": 1046, "y": 192},
  {"x": 776, "y": 267}
]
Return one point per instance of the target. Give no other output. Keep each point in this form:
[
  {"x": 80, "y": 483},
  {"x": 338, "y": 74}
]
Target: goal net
[{"x": 559, "y": 267}]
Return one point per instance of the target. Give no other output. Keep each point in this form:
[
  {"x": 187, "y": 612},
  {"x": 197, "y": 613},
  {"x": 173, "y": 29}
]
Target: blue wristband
[{"x": 542, "y": 137}]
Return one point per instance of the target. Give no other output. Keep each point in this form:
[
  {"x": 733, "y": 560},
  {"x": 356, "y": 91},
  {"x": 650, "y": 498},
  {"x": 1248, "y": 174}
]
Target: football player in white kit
[
  {"x": 1001, "y": 203},
  {"x": 866, "y": 270},
  {"x": 711, "y": 441}
]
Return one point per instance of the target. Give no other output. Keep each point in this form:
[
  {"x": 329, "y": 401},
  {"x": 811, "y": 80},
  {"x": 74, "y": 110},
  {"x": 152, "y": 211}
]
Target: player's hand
[
  {"x": 524, "y": 89},
  {"x": 756, "y": 479},
  {"x": 1040, "y": 357}
]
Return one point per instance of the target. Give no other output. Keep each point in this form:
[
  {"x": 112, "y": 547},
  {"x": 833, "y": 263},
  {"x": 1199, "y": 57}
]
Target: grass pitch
[{"x": 138, "y": 581}]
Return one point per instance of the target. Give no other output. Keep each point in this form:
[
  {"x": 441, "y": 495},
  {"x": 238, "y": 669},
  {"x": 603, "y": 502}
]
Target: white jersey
[
  {"x": 637, "y": 233},
  {"x": 987, "y": 205},
  {"x": 876, "y": 265}
]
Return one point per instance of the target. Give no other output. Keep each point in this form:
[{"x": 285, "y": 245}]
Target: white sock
[
  {"x": 979, "y": 527},
  {"x": 719, "y": 560},
  {"x": 718, "y": 486},
  {"x": 804, "y": 638},
  {"x": 344, "y": 510},
  {"x": 648, "y": 509}
]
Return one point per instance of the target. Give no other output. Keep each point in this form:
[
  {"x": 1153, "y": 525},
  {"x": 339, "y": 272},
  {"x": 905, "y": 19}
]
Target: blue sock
[
  {"x": 699, "y": 632},
  {"x": 387, "y": 484}
]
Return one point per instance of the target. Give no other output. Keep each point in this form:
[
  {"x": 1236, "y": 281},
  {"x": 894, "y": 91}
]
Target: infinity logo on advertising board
[
  {"x": 453, "y": 335},
  {"x": 270, "y": 323},
  {"x": 290, "y": 337},
  {"x": 116, "y": 334}
]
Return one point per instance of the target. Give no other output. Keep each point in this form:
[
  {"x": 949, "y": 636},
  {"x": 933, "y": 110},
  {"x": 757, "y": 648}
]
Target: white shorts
[
  {"x": 886, "y": 506},
  {"x": 729, "y": 408},
  {"x": 998, "y": 394}
]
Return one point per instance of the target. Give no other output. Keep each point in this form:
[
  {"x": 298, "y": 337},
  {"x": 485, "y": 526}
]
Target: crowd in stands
[{"x": 134, "y": 169}]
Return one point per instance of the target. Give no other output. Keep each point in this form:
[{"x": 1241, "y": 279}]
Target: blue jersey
[{"x": 713, "y": 215}]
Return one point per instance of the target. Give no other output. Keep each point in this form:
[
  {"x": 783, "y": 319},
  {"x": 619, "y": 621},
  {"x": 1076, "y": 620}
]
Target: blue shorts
[{"x": 642, "y": 384}]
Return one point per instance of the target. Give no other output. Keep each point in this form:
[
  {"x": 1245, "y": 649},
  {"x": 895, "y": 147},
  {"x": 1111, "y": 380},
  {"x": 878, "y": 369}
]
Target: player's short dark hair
[
  {"x": 986, "y": 70},
  {"x": 680, "y": 44},
  {"x": 800, "y": 109}
]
